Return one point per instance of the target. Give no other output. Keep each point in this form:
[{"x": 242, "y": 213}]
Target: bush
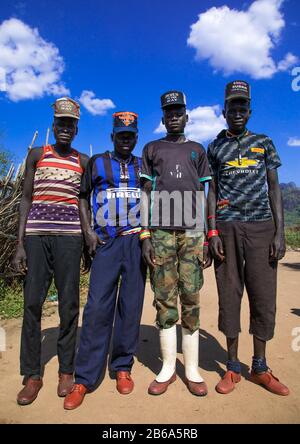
[
  {"x": 11, "y": 300},
  {"x": 292, "y": 237}
]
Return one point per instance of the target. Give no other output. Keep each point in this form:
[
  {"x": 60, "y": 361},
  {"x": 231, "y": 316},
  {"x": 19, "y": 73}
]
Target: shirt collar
[{"x": 118, "y": 159}]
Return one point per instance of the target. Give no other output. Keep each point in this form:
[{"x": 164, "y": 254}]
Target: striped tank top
[{"x": 55, "y": 197}]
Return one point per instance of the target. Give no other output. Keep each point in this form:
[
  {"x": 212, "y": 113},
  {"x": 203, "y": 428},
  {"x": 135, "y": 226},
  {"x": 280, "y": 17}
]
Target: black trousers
[
  {"x": 247, "y": 264},
  {"x": 49, "y": 256}
]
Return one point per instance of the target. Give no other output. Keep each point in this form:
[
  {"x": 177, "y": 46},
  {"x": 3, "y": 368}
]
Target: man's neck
[
  {"x": 236, "y": 133},
  {"x": 62, "y": 150},
  {"x": 122, "y": 156},
  {"x": 177, "y": 138}
]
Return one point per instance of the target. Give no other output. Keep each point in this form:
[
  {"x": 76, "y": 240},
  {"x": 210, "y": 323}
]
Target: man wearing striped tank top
[
  {"x": 113, "y": 180},
  {"x": 50, "y": 245}
]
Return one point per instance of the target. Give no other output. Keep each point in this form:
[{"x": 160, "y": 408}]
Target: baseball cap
[
  {"x": 66, "y": 107},
  {"x": 238, "y": 89},
  {"x": 125, "y": 121},
  {"x": 171, "y": 98}
]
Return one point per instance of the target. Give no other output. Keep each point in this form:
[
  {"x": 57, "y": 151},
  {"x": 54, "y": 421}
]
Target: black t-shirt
[{"x": 178, "y": 172}]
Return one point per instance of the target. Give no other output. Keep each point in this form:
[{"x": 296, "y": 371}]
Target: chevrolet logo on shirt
[{"x": 245, "y": 163}]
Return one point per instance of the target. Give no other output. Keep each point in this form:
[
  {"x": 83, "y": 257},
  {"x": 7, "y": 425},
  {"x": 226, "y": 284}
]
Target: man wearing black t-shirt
[
  {"x": 246, "y": 235},
  {"x": 174, "y": 172}
]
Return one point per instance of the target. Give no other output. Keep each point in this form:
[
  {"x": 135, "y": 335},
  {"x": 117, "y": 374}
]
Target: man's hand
[
  {"x": 277, "y": 247},
  {"x": 216, "y": 248},
  {"x": 86, "y": 260},
  {"x": 207, "y": 259},
  {"x": 19, "y": 261},
  {"x": 92, "y": 240},
  {"x": 148, "y": 253}
]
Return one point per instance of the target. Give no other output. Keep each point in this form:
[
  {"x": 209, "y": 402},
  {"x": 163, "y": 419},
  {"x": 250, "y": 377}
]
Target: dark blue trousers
[{"x": 120, "y": 256}]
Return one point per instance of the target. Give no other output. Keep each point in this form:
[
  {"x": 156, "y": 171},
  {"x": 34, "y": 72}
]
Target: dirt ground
[{"x": 247, "y": 404}]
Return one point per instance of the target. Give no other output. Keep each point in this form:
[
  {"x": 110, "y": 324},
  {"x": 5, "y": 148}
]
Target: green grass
[
  {"x": 292, "y": 237},
  {"x": 11, "y": 300}
]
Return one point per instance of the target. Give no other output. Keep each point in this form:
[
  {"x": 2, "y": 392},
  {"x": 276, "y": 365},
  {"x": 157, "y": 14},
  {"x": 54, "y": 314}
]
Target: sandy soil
[{"x": 247, "y": 404}]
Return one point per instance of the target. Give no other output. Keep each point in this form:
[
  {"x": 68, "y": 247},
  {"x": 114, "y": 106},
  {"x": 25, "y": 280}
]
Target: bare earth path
[{"x": 247, "y": 404}]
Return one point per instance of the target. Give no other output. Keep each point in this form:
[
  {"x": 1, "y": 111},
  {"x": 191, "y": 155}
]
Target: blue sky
[{"x": 126, "y": 54}]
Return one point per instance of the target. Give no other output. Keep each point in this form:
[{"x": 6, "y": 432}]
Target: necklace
[{"x": 231, "y": 135}]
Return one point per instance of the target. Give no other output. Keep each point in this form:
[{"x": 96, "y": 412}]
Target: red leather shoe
[
  {"x": 270, "y": 382},
  {"x": 29, "y": 393},
  {"x": 125, "y": 383},
  {"x": 75, "y": 397},
  {"x": 197, "y": 388},
  {"x": 158, "y": 388},
  {"x": 227, "y": 383},
  {"x": 65, "y": 384}
]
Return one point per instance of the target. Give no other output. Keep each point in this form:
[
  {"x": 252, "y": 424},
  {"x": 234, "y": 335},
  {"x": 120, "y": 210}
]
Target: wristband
[
  {"x": 205, "y": 244},
  {"x": 211, "y": 217},
  {"x": 145, "y": 234},
  {"x": 212, "y": 233}
]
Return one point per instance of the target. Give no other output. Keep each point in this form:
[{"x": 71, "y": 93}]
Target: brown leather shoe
[
  {"x": 227, "y": 383},
  {"x": 125, "y": 383},
  {"x": 65, "y": 384},
  {"x": 75, "y": 397},
  {"x": 197, "y": 388},
  {"x": 158, "y": 388},
  {"x": 270, "y": 382},
  {"x": 29, "y": 393}
]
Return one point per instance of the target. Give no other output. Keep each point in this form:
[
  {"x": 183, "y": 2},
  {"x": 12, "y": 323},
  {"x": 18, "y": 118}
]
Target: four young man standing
[{"x": 245, "y": 233}]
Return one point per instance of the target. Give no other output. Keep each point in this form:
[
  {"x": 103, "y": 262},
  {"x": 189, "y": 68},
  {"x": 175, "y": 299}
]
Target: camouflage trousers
[{"x": 178, "y": 255}]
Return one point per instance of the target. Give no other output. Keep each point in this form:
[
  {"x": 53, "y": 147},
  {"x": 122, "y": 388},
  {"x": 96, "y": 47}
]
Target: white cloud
[
  {"x": 241, "y": 41},
  {"x": 205, "y": 122},
  {"x": 32, "y": 66},
  {"x": 294, "y": 141},
  {"x": 97, "y": 107}
]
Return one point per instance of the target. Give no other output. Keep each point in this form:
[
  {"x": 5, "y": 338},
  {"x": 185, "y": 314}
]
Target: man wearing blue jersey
[{"x": 112, "y": 179}]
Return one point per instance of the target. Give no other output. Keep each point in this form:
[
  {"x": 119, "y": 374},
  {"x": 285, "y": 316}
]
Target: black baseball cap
[
  {"x": 171, "y": 98},
  {"x": 238, "y": 89},
  {"x": 125, "y": 121}
]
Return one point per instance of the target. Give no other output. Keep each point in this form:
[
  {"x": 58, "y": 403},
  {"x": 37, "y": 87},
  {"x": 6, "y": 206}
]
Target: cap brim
[
  {"x": 125, "y": 130},
  {"x": 238, "y": 96},
  {"x": 67, "y": 115}
]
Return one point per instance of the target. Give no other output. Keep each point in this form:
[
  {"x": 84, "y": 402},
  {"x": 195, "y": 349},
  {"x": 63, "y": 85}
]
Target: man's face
[
  {"x": 124, "y": 142},
  {"x": 64, "y": 129},
  {"x": 237, "y": 113},
  {"x": 175, "y": 119}
]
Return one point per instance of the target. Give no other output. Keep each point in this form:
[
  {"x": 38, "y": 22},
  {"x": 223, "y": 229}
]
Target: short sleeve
[
  {"x": 203, "y": 170},
  {"x": 211, "y": 160},
  {"x": 147, "y": 169},
  {"x": 271, "y": 156}
]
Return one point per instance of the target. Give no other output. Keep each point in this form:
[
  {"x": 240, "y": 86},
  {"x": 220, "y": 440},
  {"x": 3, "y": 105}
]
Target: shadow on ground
[
  {"x": 213, "y": 356},
  {"x": 295, "y": 266},
  {"x": 295, "y": 311}
]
